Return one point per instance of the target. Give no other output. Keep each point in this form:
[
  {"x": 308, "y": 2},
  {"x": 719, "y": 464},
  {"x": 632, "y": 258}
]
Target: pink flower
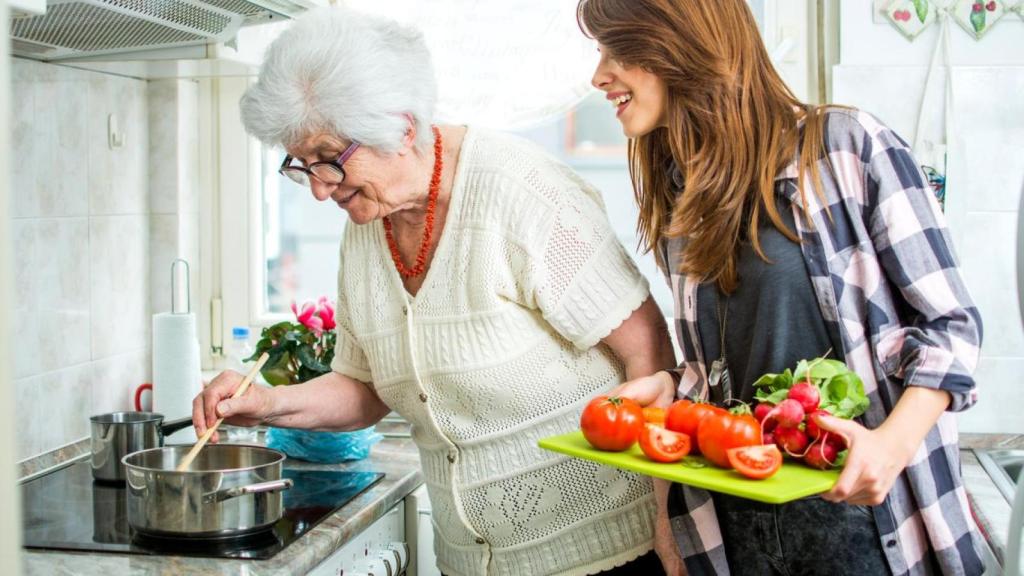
[
  {"x": 303, "y": 316},
  {"x": 325, "y": 309},
  {"x": 315, "y": 324}
]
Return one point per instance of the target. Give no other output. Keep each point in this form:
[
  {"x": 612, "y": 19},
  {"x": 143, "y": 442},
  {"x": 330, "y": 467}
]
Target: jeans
[{"x": 806, "y": 537}]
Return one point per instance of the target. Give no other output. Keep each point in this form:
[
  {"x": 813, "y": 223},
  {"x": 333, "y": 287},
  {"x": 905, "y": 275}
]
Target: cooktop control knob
[{"x": 400, "y": 552}]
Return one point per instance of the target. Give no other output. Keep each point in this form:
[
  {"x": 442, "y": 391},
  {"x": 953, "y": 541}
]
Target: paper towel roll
[{"x": 176, "y": 369}]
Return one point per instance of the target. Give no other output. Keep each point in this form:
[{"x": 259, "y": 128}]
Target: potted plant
[{"x": 299, "y": 351}]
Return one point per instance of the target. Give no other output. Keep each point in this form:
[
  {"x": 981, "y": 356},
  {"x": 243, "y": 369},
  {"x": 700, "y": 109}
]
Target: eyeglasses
[{"x": 328, "y": 172}]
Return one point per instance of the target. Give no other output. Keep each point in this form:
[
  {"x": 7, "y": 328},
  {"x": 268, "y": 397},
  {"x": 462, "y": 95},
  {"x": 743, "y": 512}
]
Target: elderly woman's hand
[
  {"x": 657, "y": 390},
  {"x": 215, "y": 402}
]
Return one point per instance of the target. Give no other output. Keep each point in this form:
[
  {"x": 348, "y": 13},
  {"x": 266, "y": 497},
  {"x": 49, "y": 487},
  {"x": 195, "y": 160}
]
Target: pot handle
[
  {"x": 171, "y": 426},
  {"x": 228, "y": 493}
]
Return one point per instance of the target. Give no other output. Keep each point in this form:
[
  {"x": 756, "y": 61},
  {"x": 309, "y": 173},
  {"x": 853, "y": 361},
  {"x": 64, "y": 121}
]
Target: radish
[
  {"x": 789, "y": 414},
  {"x": 806, "y": 394},
  {"x": 792, "y": 441},
  {"x": 813, "y": 430},
  {"x": 821, "y": 455},
  {"x": 835, "y": 440},
  {"x": 761, "y": 411},
  {"x": 767, "y": 438}
]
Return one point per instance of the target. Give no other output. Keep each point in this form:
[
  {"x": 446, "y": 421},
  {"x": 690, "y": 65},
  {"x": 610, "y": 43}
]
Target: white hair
[{"x": 347, "y": 73}]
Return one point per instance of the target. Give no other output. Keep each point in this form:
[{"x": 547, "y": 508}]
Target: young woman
[{"x": 791, "y": 231}]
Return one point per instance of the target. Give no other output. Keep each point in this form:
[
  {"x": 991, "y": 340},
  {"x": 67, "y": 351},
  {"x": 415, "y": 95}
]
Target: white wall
[{"x": 883, "y": 73}]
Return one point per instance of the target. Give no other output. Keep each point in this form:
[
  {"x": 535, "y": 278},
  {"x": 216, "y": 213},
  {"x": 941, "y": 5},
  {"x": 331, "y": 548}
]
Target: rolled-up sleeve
[{"x": 939, "y": 340}]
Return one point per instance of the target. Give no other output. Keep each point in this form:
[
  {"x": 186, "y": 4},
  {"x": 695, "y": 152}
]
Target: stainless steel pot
[
  {"x": 230, "y": 490},
  {"x": 118, "y": 434}
]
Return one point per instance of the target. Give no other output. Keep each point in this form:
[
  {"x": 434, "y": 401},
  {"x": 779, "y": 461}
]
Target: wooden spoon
[{"x": 187, "y": 460}]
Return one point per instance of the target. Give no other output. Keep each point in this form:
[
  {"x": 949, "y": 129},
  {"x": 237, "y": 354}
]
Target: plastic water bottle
[{"x": 238, "y": 352}]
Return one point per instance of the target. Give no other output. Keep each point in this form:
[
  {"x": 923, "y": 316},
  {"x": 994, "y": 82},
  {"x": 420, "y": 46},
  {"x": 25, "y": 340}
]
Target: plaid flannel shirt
[{"x": 888, "y": 286}]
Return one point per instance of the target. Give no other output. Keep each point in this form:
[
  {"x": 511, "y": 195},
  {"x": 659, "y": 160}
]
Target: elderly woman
[{"x": 482, "y": 295}]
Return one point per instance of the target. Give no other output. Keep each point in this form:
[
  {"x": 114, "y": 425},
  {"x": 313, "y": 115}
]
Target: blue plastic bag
[{"x": 323, "y": 447}]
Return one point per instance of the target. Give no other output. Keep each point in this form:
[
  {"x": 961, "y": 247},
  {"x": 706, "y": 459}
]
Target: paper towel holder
[{"x": 174, "y": 287}]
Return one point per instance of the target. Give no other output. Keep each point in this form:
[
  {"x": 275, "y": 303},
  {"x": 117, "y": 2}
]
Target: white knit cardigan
[{"x": 499, "y": 348}]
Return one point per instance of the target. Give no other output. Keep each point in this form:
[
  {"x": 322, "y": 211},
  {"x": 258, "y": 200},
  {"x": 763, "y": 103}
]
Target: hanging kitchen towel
[
  {"x": 935, "y": 116},
  {"x": 176, "y": 371}
]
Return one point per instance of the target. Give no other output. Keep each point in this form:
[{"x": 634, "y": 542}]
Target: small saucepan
[
  {"x": 118, "y": 434},
  {"x": 228, "y": 491}
]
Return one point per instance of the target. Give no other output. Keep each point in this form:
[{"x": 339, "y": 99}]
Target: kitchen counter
[
  {"x": 990, "y": 508},
  {"x": 394, "y": 456}
]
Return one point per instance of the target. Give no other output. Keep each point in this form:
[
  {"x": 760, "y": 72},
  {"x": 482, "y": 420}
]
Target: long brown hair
[{"x": 733, "y": 125}]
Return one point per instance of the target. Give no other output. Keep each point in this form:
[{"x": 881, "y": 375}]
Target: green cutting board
[{"x": 792, "y": 482}]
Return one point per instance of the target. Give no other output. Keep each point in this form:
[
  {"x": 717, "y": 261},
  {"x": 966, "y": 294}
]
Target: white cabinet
[
  {"x": 380, "y": 550},
  {"x": 424, "y": 563}
]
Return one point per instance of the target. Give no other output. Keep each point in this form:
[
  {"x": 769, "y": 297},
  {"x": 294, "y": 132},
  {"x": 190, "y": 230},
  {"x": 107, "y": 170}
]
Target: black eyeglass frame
[{"x": 335, "y": 168}]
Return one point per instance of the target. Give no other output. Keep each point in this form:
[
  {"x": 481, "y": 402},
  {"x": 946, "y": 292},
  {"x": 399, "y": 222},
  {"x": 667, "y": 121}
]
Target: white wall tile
[
  {"x": 163, "y": 151},
  {"x": 119, "y": 270},
  {"x": 50, "y": 410},
  {"x": 49, "y": 142},
  {"x": 118, "y": 178},
  {"x": 49, "y": 339},
  {"x": 188, "y": 127},
  {"x": 51, "y": 297},
  {"x": 115, "y": 379},
  {"x": 173, "y": 151},
  {"x": 163, "y": 251},
  {"x": 23, "y": 141},
  {"x": 988, "y": 262},
  {"x": 1000, "y": 384}
]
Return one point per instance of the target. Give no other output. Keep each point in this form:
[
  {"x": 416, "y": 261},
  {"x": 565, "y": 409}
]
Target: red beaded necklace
[{"x": 428, "y": 229}]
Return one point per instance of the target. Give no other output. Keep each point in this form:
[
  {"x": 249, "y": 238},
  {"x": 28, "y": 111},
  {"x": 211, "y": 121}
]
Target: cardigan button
[
  {"x": 405, "y": 310},
  {"x": 423, "y": 397},
  {"x": 451, "y": 458},
  {"x": 480, "y": 540}
]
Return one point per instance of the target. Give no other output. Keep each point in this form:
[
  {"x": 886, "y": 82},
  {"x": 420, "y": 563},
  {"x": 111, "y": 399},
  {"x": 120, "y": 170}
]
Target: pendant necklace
[{"x": 719, "y": 376}]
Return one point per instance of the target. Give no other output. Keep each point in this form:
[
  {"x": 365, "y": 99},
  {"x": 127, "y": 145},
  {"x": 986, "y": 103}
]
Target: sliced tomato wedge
[
  {"x": 662, "y": 445},
  {"x": 757, "y": 462}
]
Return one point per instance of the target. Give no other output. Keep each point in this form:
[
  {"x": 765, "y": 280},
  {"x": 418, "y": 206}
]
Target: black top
[{"x": 773, "y": 319}]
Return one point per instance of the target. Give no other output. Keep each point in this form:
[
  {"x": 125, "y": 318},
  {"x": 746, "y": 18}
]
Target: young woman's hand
[
  {"x": 657, "y": 390},
  {"x": 878, "y": 456},
  {"x": 874, "y": 462}
]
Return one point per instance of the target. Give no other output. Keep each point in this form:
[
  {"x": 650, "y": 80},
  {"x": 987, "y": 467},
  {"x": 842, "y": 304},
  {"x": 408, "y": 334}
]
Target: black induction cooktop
[{"x": 67, "y": 510}]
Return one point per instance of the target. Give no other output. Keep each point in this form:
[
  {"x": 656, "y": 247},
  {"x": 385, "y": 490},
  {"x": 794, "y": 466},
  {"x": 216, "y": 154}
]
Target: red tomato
[
  {"x": 654, "y": 415},
  {"x": 612, "y": 424},
  {"x": 663, "y": 445},
  {"x": 757, "y": 462},
  {"x": 685, "y": 416},
  {"x": 721, "y": 431}
]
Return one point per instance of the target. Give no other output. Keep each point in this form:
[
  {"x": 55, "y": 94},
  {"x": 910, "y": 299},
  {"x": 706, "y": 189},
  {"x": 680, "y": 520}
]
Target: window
[{"x": 300, "y": 241}]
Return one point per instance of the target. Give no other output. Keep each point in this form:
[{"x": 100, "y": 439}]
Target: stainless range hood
[{"x": 120, "y": 30}]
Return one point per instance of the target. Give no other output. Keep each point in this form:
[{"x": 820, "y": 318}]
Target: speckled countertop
[
  {"x": 394, "y": 456},
  {"x": 990, "y": 507}
]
